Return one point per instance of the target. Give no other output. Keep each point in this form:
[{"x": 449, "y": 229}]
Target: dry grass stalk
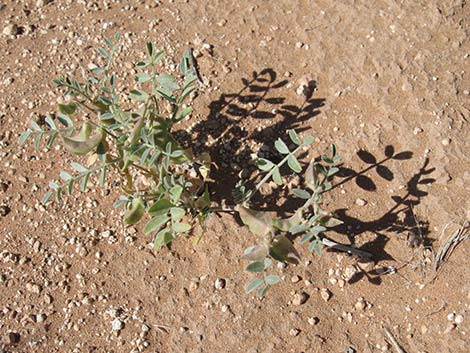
[{"x": 446, "y": 249}]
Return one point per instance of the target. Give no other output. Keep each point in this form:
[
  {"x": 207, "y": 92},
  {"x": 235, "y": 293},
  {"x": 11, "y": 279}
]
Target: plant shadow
[
  {"x": 247, "y": 122},
  {"x": 399, "y": 219}
]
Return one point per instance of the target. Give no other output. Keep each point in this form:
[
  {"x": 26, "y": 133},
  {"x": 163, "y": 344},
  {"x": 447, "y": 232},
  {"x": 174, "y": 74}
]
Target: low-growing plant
[{"x": 132, "y": 134}]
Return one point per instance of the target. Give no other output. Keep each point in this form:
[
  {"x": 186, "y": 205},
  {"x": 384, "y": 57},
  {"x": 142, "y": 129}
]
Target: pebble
[
  {"x": 302, "y": 89},
  {"x": 193, "y": 285},
  {"x": 349, "y": 272},
  {"x": 295, "y": 279},
  {"x": 360, "y": 304},
  {"x": 48, "y": 299},
  {"x": 458, "y": 319},
  {"x": 11, "y": 30},
  {"x": 445, "y": 142},
  {"x": 451, "y": 316},
  {"x": 40, "y": 318},
  {"x": 417, "y": 130},
  {"x": 219, "y": 283},
  {"x": 325, "y": 294},
  {"x": 118, "y": 325},
  {"x": 12, "y": 338},
  {"x": 313, "y": 321},
  {"x": 300, "y": 298},
  {"x": 33, "y": 288},
  {"x": 4, "y": 210},
  {"x": 361, "y": 202},
  {"x": 294, "y": 332}
]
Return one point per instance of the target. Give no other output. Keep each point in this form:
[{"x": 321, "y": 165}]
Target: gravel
[
  {"x": 219, "y": 283},
  {"x": 300, "y": 298},
  {"x": 118, "y": 325}
]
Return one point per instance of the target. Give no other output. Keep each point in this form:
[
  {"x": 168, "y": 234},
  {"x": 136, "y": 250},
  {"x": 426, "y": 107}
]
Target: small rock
[
  {"x": 313, "y": 321},
  {"x": 445, "y": 142},
  {"x": 33, "y": 288},
  {"x": 48, "y": 299},
  {"x": 451, "y": 316},
  {"x": 107, "y": 233},
  {"x": 11, "y": 30},
  {"x": 193, "y": 285},
  {"x": 294, "y": 332},
  {"x": 360, "y": 304},
  {"x": 12, "y": 338},
  {"x": 349, "y": 272},
  {"x": 302, "y": 89},
  {"x": 361, "y": 202},
  {"x": 118, "y": 325},
  {"x": 458, "y": 319},
  {"x": 417, "y": 130},
  {"x": 40, "y": 318},
  {"x": 300, "y": 298},
  {"x": 145, "y": 328},
  {"x": 295, "y": 279},
  {"x": 325, "y": 294},
  {"x": 4, "y": 210},
  {"x": 424, "y": 329},
  {"x": 219, "y": 283},
  {"x": 82, "y": 251}
]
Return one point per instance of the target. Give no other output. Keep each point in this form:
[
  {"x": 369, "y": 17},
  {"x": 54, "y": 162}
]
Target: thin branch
[{"x": 394, "y": 341}]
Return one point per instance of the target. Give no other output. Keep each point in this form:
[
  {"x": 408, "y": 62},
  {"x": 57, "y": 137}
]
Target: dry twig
[
  {"x": 395, "y": 343},
  {"x": 462, "y": 234}
]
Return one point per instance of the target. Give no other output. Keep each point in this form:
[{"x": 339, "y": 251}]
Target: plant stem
[{"x": 270, "y": 173}]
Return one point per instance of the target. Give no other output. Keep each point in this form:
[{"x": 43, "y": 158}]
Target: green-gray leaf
[
  {"x": 281, "y": 147},
  {"x": 24, "y": 136},
  {"x": 156, "y": 223},
  {"x": 168, "y": 82},
  {"x": 294, "y": 164},
  {"x": 272, "y": 279},
  {"x": 255, "y": 253},
  {"x": 47, "y": 196},
  {"x": 181, "y": 227},
  {"x": 138, "y": 95},
  {"x": 159, "y": 207},
  {"x": 253, "y": 285},
  {"x": 277, "y": 176},
  {"x": 303, "y": 194},
  {"x": 142, "y": 77},
  {"x": 255, "y": 267},
  {"x": 294, "y": 137},
  {"x": 259, "y": 223},
  {"x": 177, "y": 213},
  {"x": 162, "y": 238},
  {"x": 264, "y": 164}
]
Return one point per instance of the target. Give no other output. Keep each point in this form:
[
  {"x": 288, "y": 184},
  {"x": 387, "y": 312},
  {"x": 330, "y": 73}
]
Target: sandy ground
[{"x": 393, "y": 92}]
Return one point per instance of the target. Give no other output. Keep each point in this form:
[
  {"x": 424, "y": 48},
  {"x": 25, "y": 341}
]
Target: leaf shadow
[
  {"x": 399, "y": 219},
  {"x": 246, "y": 123}
]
